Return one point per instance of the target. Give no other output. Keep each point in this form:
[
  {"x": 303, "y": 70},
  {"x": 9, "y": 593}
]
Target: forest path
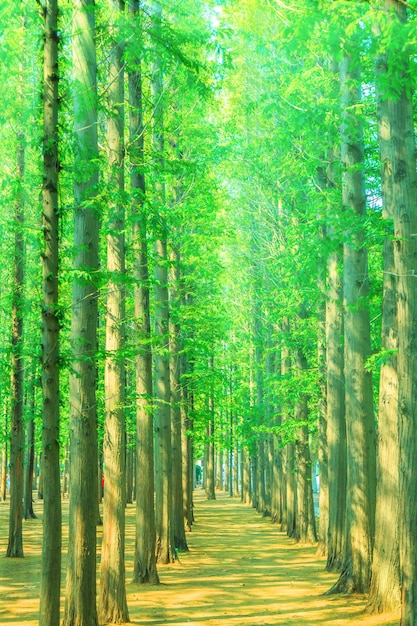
[{"x": 240, "y": 571}]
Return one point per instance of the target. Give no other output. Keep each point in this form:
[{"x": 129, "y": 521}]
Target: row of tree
[{"x": 219, "y": 183}]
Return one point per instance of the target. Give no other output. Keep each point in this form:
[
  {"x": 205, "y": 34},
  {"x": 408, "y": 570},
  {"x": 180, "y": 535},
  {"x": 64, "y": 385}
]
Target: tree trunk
[
  {"x": 145, "y": 543},
  {"x": 400, "y": 168},
  {"x": 236, "y": 467},
  {"x": 66, "y": 474},
  {"x": 260, "y": 476},
  {"x": 219, "y": 470},
  {"x": 28, "y": 512},
  {"x": 289, "y": 451},
  {"x": 15, "y": 543},
  {"x": 246, "y": 478},
  {"x": 305, "y": 523},
  {"x": 336, "y": 423},
  {"x": 112, "y": 601},
  {"x": 360, "y": 425},
  {"x": 188, "y": 471},
  {"x": 210, "y": 465},
  {"x": 323, "y": 530},
  {"x": 164, "y": 548},
  {"x": 50, "y": 586},
  {"x": 80, "y": 601},
  {"x": 178, "y": 527},
  {"x": 3, "y": 469},
  {"x": 385, "y": 589}
]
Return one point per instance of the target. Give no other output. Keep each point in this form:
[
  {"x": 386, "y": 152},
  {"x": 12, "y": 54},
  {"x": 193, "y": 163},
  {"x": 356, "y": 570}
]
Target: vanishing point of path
[{"x": 240, "y": 571}]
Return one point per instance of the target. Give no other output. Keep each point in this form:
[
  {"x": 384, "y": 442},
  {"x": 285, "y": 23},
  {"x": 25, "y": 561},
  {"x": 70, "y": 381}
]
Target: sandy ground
[{"x": 240, "y": 571}]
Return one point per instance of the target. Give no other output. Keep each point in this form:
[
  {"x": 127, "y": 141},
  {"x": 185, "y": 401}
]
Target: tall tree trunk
[
  {"x": 322, "y": 410},
  {"x": 80, "y": 601},
  {"x": 3, "y": 470},
  {"x": 289, "y": 451},
  {"x": 236, "y": 466},
  {"x": 210, "y": 465},
  {"x": 165, "y": 552},
  {"x": 164, "y": 548},
  {"x": 246, "y": 478},
  {"x": 400, "y": 169},
  {"x": 278, "y": 480},
  {"x": 112, "y": 602},
  {"x": 188, "y": 467},
  {"x": 219, "y": 470},
  {"x": 360, "y": 426},
  {"x": 178, "y": 527},
  {"x": 50, "y": 587},
  {"x": 305, "y": 524},
  {"x": 28, "y": 512},
  {"x": 15, "y": 543},
  {"x": 336, "y": 423},
  {"x": 187, "y": 464},
  {"x": 385, "y": 589},
  {"x": 145, "y": 543},
  {"x": 49, "y": 613}
]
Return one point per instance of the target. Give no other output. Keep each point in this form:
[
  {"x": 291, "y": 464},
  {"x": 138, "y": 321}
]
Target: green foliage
[{"x": 252, "y": 177}]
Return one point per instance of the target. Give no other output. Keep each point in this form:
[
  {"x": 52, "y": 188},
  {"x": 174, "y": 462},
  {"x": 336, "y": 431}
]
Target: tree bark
[
  {"x": 80, "y": 600},
  {"x": 385, "y": 589},
  {"x": 178, "y": 527},
  {"x": 15, "y": 543},
  {"x": 145, "y": 571},
  {"x": 400, "y": 167},
  {"x": 50, "y": 586},
  {"x": 210, "y": 465},
  {"x": 336, "y": 424},
  {"x": 360, "y": 424},
  {"x": 3, "y": 469},
  {"x": 305, "y": 523},
  {"x": 163, "y": 478},
  {"x": 112, "y": 601},
  {"x": 28, "y": 512},
  {"x": 322, "y": 454}
]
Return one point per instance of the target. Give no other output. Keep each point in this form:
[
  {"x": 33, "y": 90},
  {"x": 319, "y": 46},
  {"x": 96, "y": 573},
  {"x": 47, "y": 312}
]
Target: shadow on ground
[{"x": 240, "y": 571}]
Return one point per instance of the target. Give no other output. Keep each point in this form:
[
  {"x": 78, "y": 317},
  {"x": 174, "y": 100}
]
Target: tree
[
  {"x": 336, "y": 425},
  {"x": 145, "y": 544},
  {"x": 385, "y": 591},
  {"x": 178, "y": 526},
  {"x": 209, "y": 447},
  {"x": 402, "y": 191},
  {"x": 15, "y": 543},
  {"x": 49, "y": 612},
  {"x": 113, "y": 603},
  {"x": 360, "y": 427},
  {"x": 164, "y": 548},
  {"x": 80, "y": 599},
  {"x": 305, "y": 525}
]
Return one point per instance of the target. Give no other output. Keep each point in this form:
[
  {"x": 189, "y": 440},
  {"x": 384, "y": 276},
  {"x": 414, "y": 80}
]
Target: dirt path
[{"x": 240, "y": 571}]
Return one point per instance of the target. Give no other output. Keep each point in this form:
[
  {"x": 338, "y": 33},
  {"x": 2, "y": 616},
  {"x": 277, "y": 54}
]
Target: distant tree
[
  {"x": 305, "y": 524},
  {"x": 28, "y": 512},
  {"x": 178, "y": 526},
  {"x": 210, "y": 447}
]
